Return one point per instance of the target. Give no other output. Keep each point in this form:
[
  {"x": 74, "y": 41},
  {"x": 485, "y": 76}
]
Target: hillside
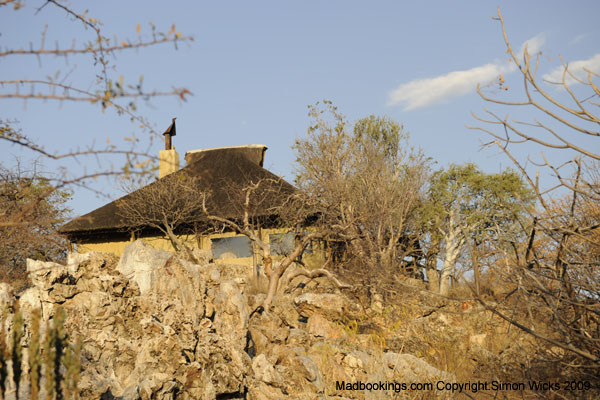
[{"x": 154, "y": 326}]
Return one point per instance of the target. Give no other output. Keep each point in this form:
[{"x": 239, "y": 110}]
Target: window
[
  {"x": 283, "y": 244},
  {"x": 231, "y": 247}
]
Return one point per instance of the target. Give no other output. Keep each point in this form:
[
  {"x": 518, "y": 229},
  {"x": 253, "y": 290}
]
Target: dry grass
[{"x": 460, "y": 337}]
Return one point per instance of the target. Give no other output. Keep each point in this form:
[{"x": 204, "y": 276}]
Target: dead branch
[
  {"x": 312, "y": 274},
  {"x": 558, "y": 301}
]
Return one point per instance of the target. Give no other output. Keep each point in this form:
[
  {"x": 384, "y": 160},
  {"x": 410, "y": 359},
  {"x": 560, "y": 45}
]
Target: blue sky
[{"x": 254, "y": 67}]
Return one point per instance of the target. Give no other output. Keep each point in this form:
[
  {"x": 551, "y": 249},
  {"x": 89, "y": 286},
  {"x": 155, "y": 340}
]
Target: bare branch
[
  {"x": 312, "y": 274},
  {"x": 556, "y": 272}
]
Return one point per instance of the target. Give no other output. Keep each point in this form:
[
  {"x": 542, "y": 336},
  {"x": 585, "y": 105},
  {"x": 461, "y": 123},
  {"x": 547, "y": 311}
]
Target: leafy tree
[
  {"x": 466, "y": 205},
  {"x": 364, "y": 184},
  {"x": 29, "y": 197}
]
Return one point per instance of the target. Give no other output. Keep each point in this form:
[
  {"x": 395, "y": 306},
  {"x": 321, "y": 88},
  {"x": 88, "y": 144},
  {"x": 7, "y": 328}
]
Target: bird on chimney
[{"x": 171, "y": 131}]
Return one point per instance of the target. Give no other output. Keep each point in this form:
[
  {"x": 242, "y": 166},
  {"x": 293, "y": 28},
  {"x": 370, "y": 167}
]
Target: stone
[
  {"x": 265, "y": 372},
  {"x": 283, "y": 306},
  {"x": 200, "y": 256},
  {"x": 37, "y": 266},
  {"x": 319, "y": 326},
  {"x": 156, "y": 326},
  {"x": 6, "y": 294},
  {"x": 30, "y": 299},
  {"x": 377, "y": 302},
  {"x": 140, "y": 262},
  {"x": 478, "y": 339},
  {"x": 329, "y": 305},
  {"x": 303, "y": 374},
  {"x": 203, "y": 256},
  {"x": 260, "y": 343},
  {"x": 231, "y": 316},
  {"x": 272, "y": 327},
  {"x": 353, "y": 361},
  {"x": 262, "y": 391},
  {"x": 298, "y": 337},
  {"x": 410, "y": 368}
]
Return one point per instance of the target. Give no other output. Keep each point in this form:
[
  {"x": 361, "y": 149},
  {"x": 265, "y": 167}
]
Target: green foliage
[
  {"x": 72, "y": 365},
  {"x": 55, "y": 346},
  {"x": 57, "y": 355},
  {"x": 484, "y": 204},
  {"x": 17, "y": 349},
  {"x": 382, "y": 132},
  {"x": 35, "y": 356},
  {"x": 3, "y": 353},
  {"x": 364, "y": 183},
  {"x": 467, "y": 208}
]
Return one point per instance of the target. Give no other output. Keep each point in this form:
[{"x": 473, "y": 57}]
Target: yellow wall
[
  {"x": 202, "y": 242},
  {"x": 116, "y": 247}
]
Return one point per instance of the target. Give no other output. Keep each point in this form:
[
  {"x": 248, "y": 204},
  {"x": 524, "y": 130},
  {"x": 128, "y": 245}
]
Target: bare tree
[
  {"x": 555, "y": 275},
  {"x": 168, "y": 205},
  {"x": 290, "y": 210},
  {"x": 179, "y": 204}
]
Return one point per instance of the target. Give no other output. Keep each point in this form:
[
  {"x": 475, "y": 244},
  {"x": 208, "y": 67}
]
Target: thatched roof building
[{"x": 223, "y": 173}]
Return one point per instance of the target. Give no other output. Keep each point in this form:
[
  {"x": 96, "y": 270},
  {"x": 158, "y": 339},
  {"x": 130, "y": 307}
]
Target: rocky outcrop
[
  {"x": 184, "y": 334},
  {"x": 157, "y": 326},
  {"x": 140, "y": 263}
]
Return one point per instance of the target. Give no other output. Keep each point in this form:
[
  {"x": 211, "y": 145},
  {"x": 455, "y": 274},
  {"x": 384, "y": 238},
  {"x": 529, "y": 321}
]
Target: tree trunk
[
  {"x": 273, "y": 284},
  {"x": 268, "y": 262},
  {"x": 433, "y": 279},
  {"x": 178, "y": 245},
  {"x": 453, "y": 246},
  {"x": 174, "y": 240},
  {"x": 476, "y": 267}
]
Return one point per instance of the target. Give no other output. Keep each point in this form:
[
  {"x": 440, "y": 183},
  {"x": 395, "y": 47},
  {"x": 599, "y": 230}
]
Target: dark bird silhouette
[{"x": 170, "y": 132}]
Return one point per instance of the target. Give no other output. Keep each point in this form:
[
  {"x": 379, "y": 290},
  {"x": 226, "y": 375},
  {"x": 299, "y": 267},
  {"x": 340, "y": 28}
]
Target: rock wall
[{"x": 155, "y": 326}]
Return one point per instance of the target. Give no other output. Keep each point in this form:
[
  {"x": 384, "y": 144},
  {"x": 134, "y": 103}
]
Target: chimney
[{"x": 168, "y": 159}]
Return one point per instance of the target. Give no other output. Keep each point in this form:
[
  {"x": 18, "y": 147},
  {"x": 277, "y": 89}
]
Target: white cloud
[
  {"x": 578, "y": 39},
  {"x": 533, "y": 45},
  {"x": 576, "y": 68},
  {"x": 424, "y": 92}
]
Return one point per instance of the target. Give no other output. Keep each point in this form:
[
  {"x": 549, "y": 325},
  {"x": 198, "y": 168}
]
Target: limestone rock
[
  {"x": 271, "y": 326},
  {"x": 478, "y": 339},
  {"x": 411, "y": 368},
  {"x": 200, "y": 256},
  {"x": 6, "y": 295},
  {"x": 356, "y": 360},
  {"x": 156, "y": 326},
  {"x": 265, "y": 372},
  {"x": 30, "y": 299},
  {"x": 232, "y": 312},
  {"x": 262, "y": 391},
  {"x": 284, "y": 307},
  {"x": 319, "y": 326},
  {"x": 37, "y": 266},
  {"x": 329, "y": 305},
  {"x": 140, "y": 262}
]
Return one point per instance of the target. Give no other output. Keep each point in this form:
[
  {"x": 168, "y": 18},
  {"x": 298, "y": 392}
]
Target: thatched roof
[{"x": 223, "y": 172}]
